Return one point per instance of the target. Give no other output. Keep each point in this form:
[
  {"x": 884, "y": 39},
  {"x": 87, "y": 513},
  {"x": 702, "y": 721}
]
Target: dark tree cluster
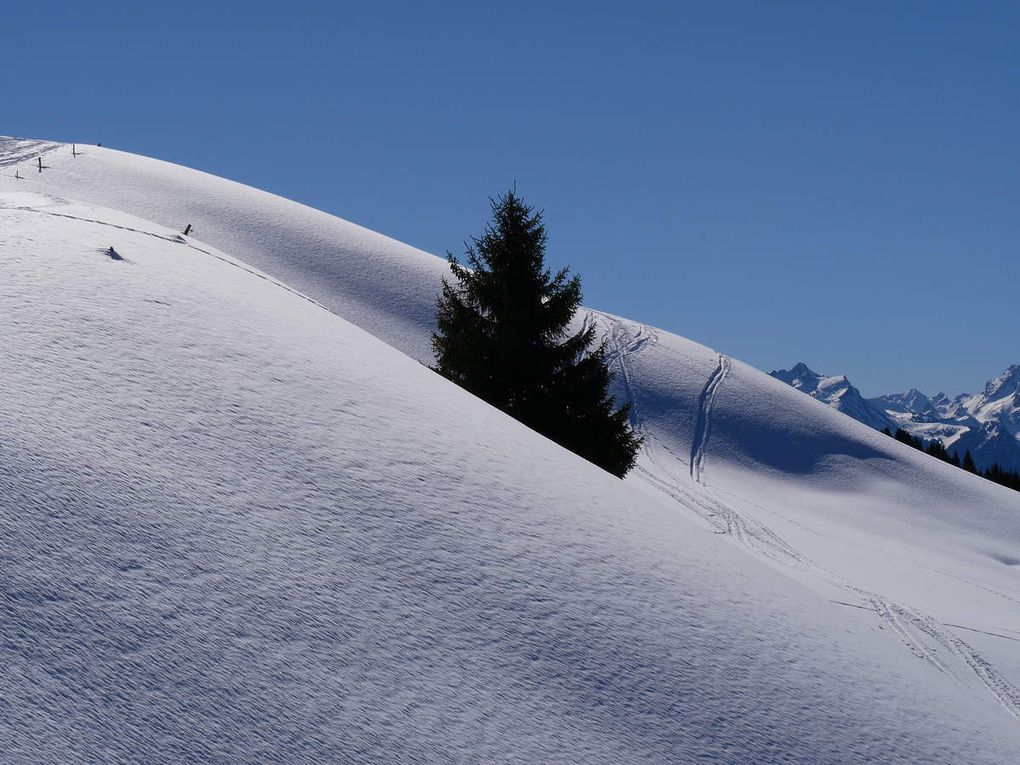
[
  {"x": 935, "y": 448},
  {"x": 1010, "y": 478},
  {"x": 504, "y": 333}
]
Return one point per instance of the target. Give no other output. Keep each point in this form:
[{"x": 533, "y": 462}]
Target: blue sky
[{"x": 837, "y": 183}]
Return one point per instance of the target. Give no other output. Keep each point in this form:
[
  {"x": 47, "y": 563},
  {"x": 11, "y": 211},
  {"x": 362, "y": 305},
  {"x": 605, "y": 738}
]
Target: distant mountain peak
[
  {"x": 798, "y": 375},
  {"x": 835, "y": 390},
  {"x": 1005, "y": 384},
  {"x": 803, "y": 369},
  {"x": 987, "y": 423},
  {"x": 911, "y": 400}
]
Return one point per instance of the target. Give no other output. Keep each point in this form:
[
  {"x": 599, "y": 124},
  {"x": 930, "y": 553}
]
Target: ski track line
[
  {"x": 944, "y": 624},
  {"x": 975, "y": 584},
  {"x": 903, "y": 622},
  {"x": 706, "y": 404},
  {"x": 910, "y": 626},
  {"x": 899, "y": 621},
  {"x": 620, "y": 348},
  {"x": 983, "y": 632},
  {"x": 178, "y": 239},
  {"x": 29, "y": 151}
]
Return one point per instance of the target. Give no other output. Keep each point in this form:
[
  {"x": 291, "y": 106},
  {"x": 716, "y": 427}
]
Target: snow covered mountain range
[
  {"x": 240, "y": 522},
  {"x": 986, "y": 423}
]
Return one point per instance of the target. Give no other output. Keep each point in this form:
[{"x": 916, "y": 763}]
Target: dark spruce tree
[
  {"x": 504, "y": 334},
  {"x": 937, "y": 449},
  {"x": 968, "y": 462}
]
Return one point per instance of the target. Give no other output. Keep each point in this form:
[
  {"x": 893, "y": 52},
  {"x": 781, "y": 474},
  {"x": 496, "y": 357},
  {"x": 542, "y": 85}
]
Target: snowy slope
[
  {"x": 839, "y": 505},
  {"x": 254, "y": 506},
  {"x": 314, "y": 252}
]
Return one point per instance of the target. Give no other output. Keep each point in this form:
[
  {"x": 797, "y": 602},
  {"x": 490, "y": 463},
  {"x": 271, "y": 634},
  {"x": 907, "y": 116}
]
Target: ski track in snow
[
  {"x": 969, "y": 583},
  {"x": 706, "y": 403},
  {"x": 923, "y": 635},
  {"x": 18, "y": 151},
  {"x": 620, "y": 347}
]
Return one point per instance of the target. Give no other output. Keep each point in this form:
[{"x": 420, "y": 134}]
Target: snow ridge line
[
  {"x": 706, "y": 404},
  {"x": 178, "y": 239}
]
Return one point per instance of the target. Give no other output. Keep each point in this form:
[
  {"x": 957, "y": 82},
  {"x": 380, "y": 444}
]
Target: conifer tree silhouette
[{"x": 504, "y": 333}]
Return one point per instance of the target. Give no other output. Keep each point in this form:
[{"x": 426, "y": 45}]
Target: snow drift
[{"x": 237, "y": 526}]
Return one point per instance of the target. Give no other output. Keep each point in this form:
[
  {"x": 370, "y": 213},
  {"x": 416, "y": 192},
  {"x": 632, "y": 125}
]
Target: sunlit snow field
[{"x": 239, "y": 521}]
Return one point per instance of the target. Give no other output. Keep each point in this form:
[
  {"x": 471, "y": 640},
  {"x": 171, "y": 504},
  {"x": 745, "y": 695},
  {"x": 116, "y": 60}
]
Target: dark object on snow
[
  {"x": 74, "y": 150},
  {"x": 17, "y": 175},
  {"x": 187, "y": 229},
  {"x": 40, "y": 163},
  {"x": 114, "y": 255},
  {"x": 502, "y": 334}
]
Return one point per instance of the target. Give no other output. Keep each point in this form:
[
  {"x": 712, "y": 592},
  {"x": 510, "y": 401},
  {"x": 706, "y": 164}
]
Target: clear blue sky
[{"x": 837, "y": 183}]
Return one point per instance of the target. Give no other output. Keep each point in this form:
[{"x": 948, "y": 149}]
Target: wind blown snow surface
[{"x": 236, "y": 525}]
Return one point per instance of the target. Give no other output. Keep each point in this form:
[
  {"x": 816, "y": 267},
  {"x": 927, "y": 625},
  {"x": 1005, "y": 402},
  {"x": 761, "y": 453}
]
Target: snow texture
[{"x": 239, "y": 524}]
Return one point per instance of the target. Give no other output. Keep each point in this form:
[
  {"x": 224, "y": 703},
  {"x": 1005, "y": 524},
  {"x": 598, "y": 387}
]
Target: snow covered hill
[
  {"x": 240, "y": 524},
  {"x": 987, "y": 424}
]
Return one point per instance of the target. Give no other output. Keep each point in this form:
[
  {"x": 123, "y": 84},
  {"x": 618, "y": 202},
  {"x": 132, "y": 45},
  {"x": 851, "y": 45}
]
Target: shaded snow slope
[
  {"x": 237, "y": 528},
  {"x": 920, "y": 556}
]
